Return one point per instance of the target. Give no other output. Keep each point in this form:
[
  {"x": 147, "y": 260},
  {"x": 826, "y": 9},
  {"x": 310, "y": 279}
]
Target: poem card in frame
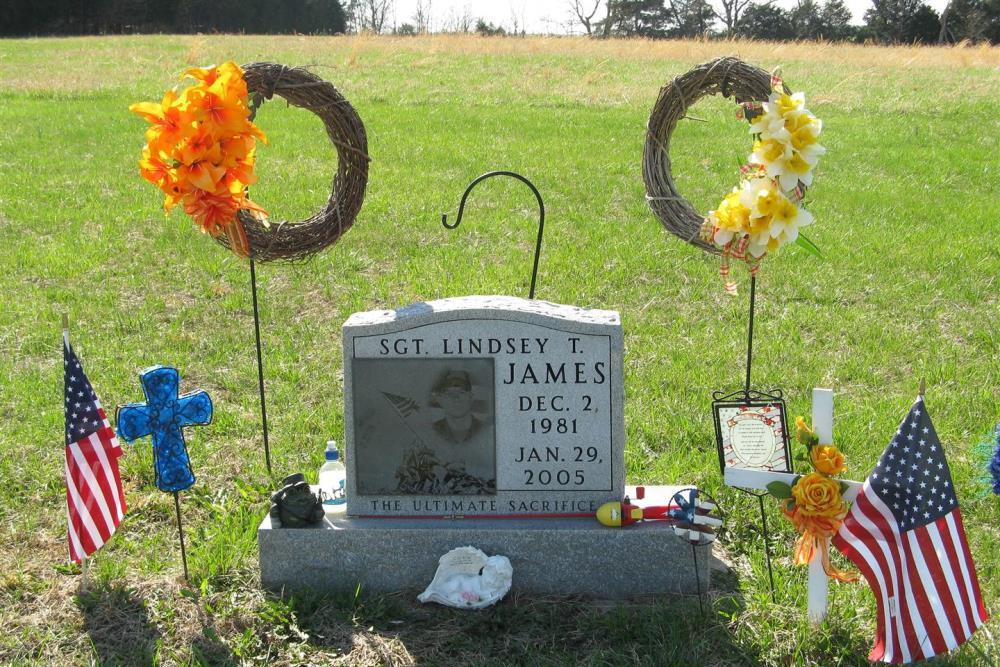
[{"x": 752, "y": 434}]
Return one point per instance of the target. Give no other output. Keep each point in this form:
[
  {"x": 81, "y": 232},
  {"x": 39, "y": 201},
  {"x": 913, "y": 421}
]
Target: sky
[{"x": 547, "y": 16}]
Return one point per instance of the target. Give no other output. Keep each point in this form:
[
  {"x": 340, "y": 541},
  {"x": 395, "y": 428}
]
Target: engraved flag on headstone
[{"x": 403, "y": 405}]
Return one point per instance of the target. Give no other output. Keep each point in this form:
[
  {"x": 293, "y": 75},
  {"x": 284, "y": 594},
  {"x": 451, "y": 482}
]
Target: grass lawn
[{"x": 906, "y": 203}]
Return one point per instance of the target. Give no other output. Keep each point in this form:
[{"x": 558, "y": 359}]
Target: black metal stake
[
  {"x": 767, "y": 546},
  {"x": 541, "y": 216},
  {"x": 760, "y": 498},
  {"x": 260, "y": 364},
  {"x": 697, "y": 577},
  {"x": 180, "y": 531},
  {"x": 753, "y": 302}
]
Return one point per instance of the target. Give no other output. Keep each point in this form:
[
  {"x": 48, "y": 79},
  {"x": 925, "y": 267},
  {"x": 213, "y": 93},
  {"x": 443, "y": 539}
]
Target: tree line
[
  {"x": 89, "y": 17},
  {"x": 885, "y": 21}
]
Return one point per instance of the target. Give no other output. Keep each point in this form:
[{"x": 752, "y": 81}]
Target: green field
[{"x": 906, "y": 204}]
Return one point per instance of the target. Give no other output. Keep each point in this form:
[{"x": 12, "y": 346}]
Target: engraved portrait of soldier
[
  {"x": 425, "y": 426},
  {"x": 453, "y": 394}
]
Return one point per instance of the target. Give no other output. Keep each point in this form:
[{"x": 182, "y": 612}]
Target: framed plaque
[{"x": 752, "y": 433}]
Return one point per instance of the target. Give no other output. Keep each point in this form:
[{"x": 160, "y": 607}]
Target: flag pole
[
  {"x": 84, "y": 561},
  {"x": 753, "y": 303},
  {"x": 921, "y": 388},
  {"x": 84, "y": 571}
]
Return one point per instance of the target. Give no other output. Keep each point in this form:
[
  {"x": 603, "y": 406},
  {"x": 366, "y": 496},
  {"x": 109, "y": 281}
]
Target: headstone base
[{"x": 564, "y": 556}]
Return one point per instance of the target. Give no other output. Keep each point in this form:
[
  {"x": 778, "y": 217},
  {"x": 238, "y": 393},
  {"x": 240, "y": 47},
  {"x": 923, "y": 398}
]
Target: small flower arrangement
[
  {"x": 994, "y": 466},
  {"x": 763, "y": 212},
  {"x": 814, "y": 502},
  {"x": 201, "y": 148},
  {"x": 988, "y": 451}
]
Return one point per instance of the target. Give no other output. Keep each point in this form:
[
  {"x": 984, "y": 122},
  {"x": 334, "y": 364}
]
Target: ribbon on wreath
[
  {"x": 237, "y": 236},
  {"x": 737, "y": 249}
]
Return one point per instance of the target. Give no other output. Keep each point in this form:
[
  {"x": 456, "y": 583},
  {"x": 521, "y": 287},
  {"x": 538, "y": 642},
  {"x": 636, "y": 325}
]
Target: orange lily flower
[
  {"x": 175, "y": 190},
  {"x": 195, "y": 147},
  {"x": 242, "y": 172},
  {"x": 212, "y": 212},
  {"x": 167, "y": 118},
  {"x": 223, "y": 116},
  {"x": 236, "y": 149},
  {"x": 200, "y": 150},
  {"x": 203, "y": 175},
  {"x": 154, "y": 169}
]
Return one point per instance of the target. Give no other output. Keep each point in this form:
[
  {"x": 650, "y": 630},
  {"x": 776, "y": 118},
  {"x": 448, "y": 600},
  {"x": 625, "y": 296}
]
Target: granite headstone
[
  {"x": 498, "y": 408},
  {"x": 483, "y": 406}
]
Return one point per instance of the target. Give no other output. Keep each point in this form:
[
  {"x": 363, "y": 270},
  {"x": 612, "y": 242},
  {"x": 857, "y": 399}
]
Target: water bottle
[{"x": 332, "y": 479}]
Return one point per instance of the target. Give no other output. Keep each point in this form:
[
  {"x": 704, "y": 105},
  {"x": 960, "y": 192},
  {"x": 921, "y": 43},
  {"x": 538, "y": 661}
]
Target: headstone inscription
[{"x": 483, "y": 406}]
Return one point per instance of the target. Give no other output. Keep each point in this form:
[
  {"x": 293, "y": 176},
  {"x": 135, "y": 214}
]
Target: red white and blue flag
[
  {"x": 95, "y": 502},
  {"x": 905, "y": 533}
]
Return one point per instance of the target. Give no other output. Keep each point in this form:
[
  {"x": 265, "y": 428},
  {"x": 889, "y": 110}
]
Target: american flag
[
  {"x": 404, "y": 406},
  {"x": 905, "y": 534},
  {"x": 95, "y": 503}
]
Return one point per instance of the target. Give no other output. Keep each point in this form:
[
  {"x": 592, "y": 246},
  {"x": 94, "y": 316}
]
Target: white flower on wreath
[
  {"x": 779, "y": 106},
  {"x": 774, "y": 219},
  {"x": 795, "y": 168},
  {"x": 788, "y": 148},
  {"x": 730, "y": 219},
  {"x": 783, "y": 163}
]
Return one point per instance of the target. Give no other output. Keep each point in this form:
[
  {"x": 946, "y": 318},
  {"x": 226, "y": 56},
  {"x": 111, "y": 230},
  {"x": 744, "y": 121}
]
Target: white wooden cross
[{"x": 822, "y": 417}]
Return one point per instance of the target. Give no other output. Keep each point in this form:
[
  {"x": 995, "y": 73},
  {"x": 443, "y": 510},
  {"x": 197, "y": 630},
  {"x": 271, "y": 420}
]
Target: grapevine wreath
[
  {"x": 763, "y": 212},
  {"x": 201, "y": 150}
]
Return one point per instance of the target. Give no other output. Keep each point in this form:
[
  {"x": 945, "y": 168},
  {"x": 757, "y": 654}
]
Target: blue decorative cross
[{"x": 164, "y": 415}]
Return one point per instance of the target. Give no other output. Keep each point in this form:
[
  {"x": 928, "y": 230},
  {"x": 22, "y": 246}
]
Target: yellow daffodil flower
[
  {"x": 789, "y": 152},
  {"x": 784, "y": 104},
  {"x": 803, "y": 130},
  {"x": 769, "y": 151},
  {"x": 730, "y": 220},
  {"x": 787, "y": 220},
  {"x": 793, "y": 169},
  {"x": 769, "y": 125},
  {"x": 785, "y": 151},
  {"x": 774, "y": 219}
]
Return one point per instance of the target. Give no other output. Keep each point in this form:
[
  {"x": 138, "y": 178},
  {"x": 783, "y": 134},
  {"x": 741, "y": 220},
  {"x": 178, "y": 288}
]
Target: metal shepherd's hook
[{"x": 541, "y": 216}]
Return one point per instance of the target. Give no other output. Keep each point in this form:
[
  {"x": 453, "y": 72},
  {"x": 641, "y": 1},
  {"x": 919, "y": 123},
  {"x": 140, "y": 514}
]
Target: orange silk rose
[
  {"x": 818, "y": 495},
  {"x": 828, "y": 460}
]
